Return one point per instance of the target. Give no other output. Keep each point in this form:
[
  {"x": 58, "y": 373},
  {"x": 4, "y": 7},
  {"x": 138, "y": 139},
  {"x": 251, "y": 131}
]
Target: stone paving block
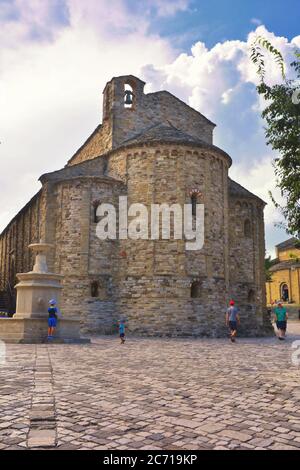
[
  {"x": 261, "y": 442},
  {"x": 42, "y": 415},
  {"x": 279, "y": 446},
  {"x": 211, "y": 428},
  {"x": 240, "y": 436},
  {"x": 41, "y": 438}
]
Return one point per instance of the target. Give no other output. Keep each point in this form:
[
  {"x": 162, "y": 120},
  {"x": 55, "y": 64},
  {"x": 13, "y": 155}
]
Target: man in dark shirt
[{"x": 232, "y": 320}]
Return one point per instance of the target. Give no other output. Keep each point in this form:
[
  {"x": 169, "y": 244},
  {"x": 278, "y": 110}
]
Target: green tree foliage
[
  {"x": 282, "y": 130},
  {"x": 268, "y": 263}
]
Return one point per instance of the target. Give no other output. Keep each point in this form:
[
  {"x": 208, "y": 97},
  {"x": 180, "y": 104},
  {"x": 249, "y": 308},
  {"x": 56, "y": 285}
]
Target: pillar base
[{"x": 34, "y": 330}]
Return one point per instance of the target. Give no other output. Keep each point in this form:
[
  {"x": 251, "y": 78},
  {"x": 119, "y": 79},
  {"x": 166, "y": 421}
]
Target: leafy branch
[
  {"x": 258, "y": 58},
  {"x": 282, "y": 130}
]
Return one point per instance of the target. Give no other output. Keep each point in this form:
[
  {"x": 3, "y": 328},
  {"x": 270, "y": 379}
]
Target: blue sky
[
  {"x": 57, "y": 55},
  {"x": 219, "y": 20}
]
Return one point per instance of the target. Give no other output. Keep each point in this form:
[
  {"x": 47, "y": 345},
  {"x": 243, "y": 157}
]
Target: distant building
[{"x": 285, "y": 273}]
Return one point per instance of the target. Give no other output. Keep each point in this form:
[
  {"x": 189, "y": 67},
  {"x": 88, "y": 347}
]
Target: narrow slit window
[
  {"x": 96, "y": 204},
  {"x": 95, "y": 289},
  {"x": 251, "y": 296},
  {"x": 247, "y": 228},
  {"x": 194, "y": 204}
]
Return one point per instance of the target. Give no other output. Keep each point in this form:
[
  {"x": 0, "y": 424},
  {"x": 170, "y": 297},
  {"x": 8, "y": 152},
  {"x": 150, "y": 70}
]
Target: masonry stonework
[{"x": 156, "y": 151}]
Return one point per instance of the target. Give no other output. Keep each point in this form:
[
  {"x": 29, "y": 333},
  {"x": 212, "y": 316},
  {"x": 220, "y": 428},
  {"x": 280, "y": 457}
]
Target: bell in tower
[{"x": 128, "y": 98}]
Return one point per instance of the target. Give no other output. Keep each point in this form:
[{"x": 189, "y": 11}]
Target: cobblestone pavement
[{"x": 168, "y": 394}]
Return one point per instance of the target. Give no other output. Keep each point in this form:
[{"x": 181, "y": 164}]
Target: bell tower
[{"x": 123, "y": 100}]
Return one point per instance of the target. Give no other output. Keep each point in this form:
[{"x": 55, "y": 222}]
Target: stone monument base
[{"x": 34, "y": 330}]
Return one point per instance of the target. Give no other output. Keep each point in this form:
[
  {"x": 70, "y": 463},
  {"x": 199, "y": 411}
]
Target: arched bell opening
[{"x": 128, "y": 96}]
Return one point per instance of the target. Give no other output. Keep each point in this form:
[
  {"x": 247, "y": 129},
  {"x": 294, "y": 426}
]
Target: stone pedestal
[{"x": 34, "y": 290}]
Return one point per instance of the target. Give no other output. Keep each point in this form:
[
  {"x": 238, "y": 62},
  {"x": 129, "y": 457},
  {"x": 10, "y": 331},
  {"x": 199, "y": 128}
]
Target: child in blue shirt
[
  {"x": 122, "y": 331},
  {"x": 52, "y": 318}
]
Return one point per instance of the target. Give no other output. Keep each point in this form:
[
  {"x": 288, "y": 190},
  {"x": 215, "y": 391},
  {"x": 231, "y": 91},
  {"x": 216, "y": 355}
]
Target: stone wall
[
  {"x": 153, "y": 108},
  {"x": 149, "y": 282},
  {"x": 80, "y": 256},
  {"x": 246, "y": 260},
  {"x": 156, "y": 275},
  {"x": 289, "y": 254},
  {"x": 15, "y": 256}
]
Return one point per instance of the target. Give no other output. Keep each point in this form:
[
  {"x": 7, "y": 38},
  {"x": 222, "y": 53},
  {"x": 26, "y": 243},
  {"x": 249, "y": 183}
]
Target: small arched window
[
  {"x": 196, "y": 289},
  {"x": 95, "y": 289},
  {"x": 95, "y": 214},
  {"x": 251, "y": 296},
  {"x": 105, "y": 167},
  {"x": 284, "y": 288},
  {"x": 247, "y": 228}
]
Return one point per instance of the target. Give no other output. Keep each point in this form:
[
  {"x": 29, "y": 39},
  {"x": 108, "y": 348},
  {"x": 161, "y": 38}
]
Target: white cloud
[
  {"x": 51, "y": 90},
  {"x": 22, "y": 20},
  {"x": 165, "y": 8},
  {"x": 256, "y": 21},
  {"x": 206, "y": 76},
  {"x": 226, "y": 96}
]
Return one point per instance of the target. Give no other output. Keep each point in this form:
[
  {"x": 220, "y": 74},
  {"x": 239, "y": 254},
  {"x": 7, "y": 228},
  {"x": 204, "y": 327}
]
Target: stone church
[{"x": 152, "y": 148}]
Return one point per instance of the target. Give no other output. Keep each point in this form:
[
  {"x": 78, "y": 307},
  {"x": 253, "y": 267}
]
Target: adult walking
[
  {"x": 232, "y": 320},
  {"x": 281, "y": 317}
]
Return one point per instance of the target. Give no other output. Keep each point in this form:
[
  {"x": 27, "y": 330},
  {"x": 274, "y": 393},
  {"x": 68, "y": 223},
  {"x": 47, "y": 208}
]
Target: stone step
[
  {"x": 34, "y": 330},
  {"x": 11, "y": 338}
]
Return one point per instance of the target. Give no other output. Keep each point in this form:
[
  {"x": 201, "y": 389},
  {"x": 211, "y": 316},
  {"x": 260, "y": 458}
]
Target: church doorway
[{"x": 284, "y": 292}]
